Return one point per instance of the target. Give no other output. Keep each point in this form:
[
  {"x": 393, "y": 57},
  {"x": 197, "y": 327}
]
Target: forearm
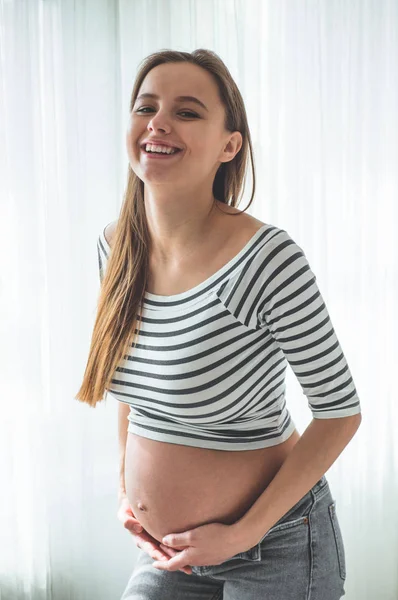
[
  {"x": 319, "y": 446},
  {"x": 123, "y": 411}
]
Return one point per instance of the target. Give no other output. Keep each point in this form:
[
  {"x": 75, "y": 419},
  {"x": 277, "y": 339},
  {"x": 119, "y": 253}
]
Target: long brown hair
[{"x": 124, "y": 284}]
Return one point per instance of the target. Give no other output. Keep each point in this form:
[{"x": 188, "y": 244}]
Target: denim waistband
[{"x": 316, "y": 489}]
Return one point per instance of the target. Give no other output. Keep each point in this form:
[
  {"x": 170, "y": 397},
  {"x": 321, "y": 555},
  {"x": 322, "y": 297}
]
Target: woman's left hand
[{"x": 205, "y": 545}]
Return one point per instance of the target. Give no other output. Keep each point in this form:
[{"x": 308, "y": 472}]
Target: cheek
[
  {"x": 206, "y": 146},
  {"x": 132, "y": 139},
  {"x": 206, "y": 153}
]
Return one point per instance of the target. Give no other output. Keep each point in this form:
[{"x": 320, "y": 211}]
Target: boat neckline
[{"x": 198, "y": 288}]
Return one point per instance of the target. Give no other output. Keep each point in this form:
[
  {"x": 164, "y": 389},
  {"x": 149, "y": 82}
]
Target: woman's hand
[
  {"x": 205, "y": 545},
  {"x": 142, "y": 538}
]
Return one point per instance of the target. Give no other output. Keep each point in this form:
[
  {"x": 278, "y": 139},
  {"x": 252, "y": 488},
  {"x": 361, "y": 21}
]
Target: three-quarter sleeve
[{"x": 291, "y": 308}]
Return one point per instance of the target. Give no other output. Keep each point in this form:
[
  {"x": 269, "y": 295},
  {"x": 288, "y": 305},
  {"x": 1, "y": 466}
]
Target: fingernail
[{"x": 137, "y": 528}]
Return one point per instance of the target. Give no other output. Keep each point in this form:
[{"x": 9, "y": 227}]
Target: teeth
[{"x": 161, "y": 149}]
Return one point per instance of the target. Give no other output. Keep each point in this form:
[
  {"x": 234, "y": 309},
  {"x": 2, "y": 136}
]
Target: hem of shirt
[
  {"x": 336, "y": 414},
  {"x": 212, "y": 444}
]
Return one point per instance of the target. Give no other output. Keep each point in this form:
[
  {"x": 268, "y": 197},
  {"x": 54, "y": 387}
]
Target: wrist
[{"x": 245, "y": 537}]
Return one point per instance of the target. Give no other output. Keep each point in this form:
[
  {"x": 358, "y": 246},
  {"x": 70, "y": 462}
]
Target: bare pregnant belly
[{"x": 172, "y": 488}]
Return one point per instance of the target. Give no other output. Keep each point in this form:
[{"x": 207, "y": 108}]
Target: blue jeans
[{"x": 300, "y": 558}]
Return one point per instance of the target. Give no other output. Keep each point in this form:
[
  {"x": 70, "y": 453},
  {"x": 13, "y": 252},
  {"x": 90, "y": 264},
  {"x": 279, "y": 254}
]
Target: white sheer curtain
[{"x": 319, "y": 79}]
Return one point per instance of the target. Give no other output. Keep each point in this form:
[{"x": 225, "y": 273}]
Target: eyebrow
[{"x": 177, "y": 99}]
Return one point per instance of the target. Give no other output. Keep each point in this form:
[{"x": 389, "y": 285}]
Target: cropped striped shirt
[{"x": 209, "y": 366}]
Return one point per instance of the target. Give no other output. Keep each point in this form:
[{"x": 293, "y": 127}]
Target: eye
[{"x": 191, "y": 114}]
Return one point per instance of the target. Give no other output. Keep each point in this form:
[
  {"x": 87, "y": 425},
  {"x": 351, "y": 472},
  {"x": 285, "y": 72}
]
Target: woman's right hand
[{"x": 143, "y": 539}]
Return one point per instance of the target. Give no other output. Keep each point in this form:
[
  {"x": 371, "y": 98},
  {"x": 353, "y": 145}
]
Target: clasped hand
[{"x": 205, "y": 545}]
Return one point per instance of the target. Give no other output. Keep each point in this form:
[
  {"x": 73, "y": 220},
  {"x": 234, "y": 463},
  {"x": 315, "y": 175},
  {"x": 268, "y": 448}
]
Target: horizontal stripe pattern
[{"x": 209, "y": 366}]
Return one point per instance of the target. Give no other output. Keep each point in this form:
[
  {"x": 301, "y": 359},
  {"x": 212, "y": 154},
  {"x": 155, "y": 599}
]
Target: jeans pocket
[
  {"x": 254, "y": 554},
  {"x": 286, "y": 525},
  {"x": 338, "y": 539}
]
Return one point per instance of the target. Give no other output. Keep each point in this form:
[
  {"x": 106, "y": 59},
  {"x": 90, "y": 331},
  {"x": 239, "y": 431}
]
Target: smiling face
[{"x": 196, "y": 127}]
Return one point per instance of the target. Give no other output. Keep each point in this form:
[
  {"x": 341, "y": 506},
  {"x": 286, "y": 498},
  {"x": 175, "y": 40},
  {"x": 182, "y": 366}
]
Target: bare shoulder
[
  {"x": 241, "y": 229},
  {"x": 245, "y": 219},
  {"x": 109, "y": 232}
]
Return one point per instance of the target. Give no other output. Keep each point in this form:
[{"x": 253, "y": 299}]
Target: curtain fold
[{"x": 321, "y": 93}]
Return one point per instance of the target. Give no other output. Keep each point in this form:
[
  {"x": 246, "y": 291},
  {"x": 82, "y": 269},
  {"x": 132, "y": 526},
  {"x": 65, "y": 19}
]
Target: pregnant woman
[{"x": 201, "y": 308}]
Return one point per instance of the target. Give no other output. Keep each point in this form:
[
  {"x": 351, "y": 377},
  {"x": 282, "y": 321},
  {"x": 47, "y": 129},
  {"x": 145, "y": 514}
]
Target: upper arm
[
  {"x": 109, "y": 232},
  {"x": 292, "y": 309},
  {"x": 102, "y": 250}
]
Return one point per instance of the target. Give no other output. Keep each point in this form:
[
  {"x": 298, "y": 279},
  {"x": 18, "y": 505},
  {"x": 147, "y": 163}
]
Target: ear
[{"x": 234, "y": 144}]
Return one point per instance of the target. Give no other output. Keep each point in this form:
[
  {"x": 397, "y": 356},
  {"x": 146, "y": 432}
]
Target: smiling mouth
[{"x": 160, "y": 154}]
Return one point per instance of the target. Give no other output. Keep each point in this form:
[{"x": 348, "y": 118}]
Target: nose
[{"x": 157, "y": 123}]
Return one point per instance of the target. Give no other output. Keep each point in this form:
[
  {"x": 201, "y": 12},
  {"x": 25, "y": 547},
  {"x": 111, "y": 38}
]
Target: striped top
[{"x": 209, "y": 366}]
